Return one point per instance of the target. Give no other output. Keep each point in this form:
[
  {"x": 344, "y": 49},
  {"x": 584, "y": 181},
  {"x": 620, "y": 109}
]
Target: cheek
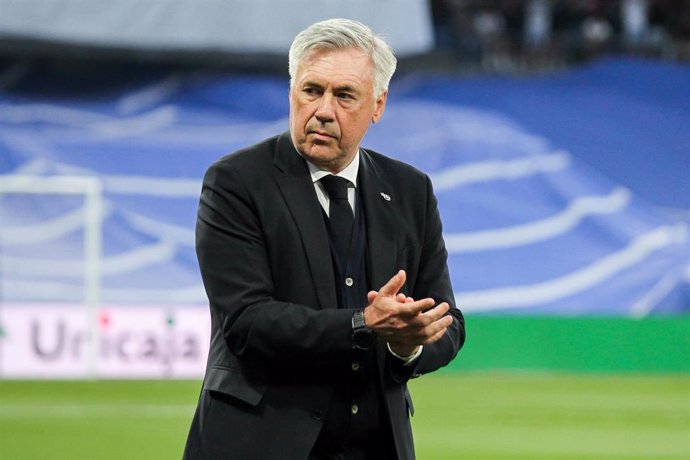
[
  {"x": 356, "y": 126},
  {"x": 297, "y": 118},
  {"x": 303, "y": 113}
]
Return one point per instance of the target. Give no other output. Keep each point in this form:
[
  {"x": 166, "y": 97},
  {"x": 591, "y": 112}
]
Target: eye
[{"x": 311, "y": 91}]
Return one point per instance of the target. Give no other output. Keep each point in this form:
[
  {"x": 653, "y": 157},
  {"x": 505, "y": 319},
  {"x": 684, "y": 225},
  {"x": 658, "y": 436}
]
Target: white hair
[{"x": 337, "y": 34}]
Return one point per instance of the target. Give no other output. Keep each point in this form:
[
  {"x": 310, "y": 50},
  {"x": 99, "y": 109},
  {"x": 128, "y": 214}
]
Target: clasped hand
[{"x": 403, "y": 322}]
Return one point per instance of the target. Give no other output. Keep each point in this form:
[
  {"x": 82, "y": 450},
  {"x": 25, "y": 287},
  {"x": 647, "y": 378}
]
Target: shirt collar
[{"x": 349, "y": 173}]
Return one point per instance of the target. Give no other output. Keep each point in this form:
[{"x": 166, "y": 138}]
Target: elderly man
[{"x": 326, "y": 272}]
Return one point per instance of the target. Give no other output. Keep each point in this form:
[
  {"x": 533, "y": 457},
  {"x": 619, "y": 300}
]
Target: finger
[
  {"x": 429, "y": 316},
  {"x": 444, "y": 324},
  {"x": 371, "y": 295},
  {"x": 434, "y": 314},
  {"x": 402, "y": 298},
  {"x": 434, "y": 338},
  {"x": 436, "y": 330},
  {"x": 393, "y": 285},
  {"x": 415, "y": 307},
  {"x": 425, "y": 335}
]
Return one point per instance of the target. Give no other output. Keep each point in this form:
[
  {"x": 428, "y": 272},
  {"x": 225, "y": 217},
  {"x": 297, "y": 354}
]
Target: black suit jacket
[{"x": 264, "y": 255}]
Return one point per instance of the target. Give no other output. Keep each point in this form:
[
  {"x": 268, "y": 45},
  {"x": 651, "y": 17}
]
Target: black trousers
[{"x": 377, "y": 448}]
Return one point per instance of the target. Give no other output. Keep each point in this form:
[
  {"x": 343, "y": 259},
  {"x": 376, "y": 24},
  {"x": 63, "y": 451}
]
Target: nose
[{"x": 325, "y": 111}]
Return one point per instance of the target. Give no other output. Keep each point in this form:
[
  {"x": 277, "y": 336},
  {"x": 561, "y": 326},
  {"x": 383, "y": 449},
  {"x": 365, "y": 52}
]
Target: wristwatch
[{"x": 362, "y": 337}]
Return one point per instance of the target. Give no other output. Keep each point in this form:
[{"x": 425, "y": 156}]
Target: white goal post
[{"x": 91, "y": 188}]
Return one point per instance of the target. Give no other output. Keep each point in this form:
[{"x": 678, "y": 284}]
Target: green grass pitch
[{"x": 478, "y": 416}]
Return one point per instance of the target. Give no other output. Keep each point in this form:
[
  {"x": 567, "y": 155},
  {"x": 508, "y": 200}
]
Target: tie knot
[{"x": 335, "y": 186}]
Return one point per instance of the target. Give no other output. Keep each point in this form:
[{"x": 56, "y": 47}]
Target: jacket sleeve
[
  {"x": 433, "y": 280},
  {"x": 232, "y": 254}
]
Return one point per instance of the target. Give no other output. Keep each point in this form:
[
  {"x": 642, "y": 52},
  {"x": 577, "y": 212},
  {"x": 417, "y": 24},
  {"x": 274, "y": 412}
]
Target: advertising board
[{"x": 72, "y": 341}]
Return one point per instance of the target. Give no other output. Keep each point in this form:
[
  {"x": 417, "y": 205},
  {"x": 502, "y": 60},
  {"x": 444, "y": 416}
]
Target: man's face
[{"x": 331, "y": 105}]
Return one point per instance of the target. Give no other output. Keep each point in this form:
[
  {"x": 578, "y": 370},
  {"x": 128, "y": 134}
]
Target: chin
[{"x": 321, "y": 153}]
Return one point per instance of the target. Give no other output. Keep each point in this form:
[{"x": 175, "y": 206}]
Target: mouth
[{"x": 321, "y": 134}]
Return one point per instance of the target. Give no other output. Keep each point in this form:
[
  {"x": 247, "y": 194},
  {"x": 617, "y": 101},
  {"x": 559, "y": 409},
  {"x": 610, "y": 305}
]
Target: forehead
[{"x": 348, "y": 66}]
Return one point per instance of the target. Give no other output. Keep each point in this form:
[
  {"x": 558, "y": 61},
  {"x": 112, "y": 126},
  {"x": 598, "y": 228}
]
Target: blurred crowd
[{"x": 518, "y": 35}]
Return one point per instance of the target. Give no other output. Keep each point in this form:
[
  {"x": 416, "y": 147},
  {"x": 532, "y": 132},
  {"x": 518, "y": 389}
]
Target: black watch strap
[
  {"x": 358, "y": 320},
  {"x": 362, "y": 337}
]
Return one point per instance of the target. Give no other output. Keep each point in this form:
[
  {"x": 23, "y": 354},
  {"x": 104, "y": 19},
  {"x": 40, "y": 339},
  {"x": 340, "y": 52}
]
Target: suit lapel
[
  {"x": 379, "y": 207},
  {"x": 294, "y": 181},
  {"x": 378, "y": 200},
  {"x": 378, "y": 196}
]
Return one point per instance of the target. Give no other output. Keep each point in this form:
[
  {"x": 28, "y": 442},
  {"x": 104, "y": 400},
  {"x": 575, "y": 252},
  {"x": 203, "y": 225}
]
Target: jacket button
[
  {"x": 349, "y": 281},
  {"x": 317, "y": 415},
  {"x": 354, "y": 409}
]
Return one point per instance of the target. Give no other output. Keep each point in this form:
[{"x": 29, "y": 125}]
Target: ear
[{"x": 380, "y": 106}]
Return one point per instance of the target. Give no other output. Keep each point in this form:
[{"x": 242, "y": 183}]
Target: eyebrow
[
  {"x": 343, "y": 88},
  {"x": 346, "y": 88}
]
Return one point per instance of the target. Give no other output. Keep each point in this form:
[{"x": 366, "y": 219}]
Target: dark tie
[{"x": 340, "y": 215}]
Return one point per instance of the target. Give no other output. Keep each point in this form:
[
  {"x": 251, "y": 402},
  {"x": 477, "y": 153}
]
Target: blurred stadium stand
[
  {"x": 511, "y": 36},
  {"x": 228, "y": 33},
  {"x": 528, "y": 35}
]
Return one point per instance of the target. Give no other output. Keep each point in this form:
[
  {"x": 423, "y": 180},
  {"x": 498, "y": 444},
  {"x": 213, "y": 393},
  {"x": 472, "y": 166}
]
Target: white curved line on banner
[
  {"x": 220, "y": 135},
  {"x": 33, "y": 167},
  {"x": 162, "y": 231},
  {"x": 152, "y": 186},
  {"x": 540, "y": 230},
  {"x": 514, "y": 297},
  {"x": 126, "y": 184},
  {"x": 44, "y": 231},
  {"x": 495, "y": 170},
  {"x": 191, "y": 294},
  {"x": 111, "y": 265},
  {"x": 655, "y": 295},
  {"x": 97, "y": 123},
  {"x": 151, "y": 95},
  {"x": 48, "y": 113},
  {"x": 449, "y": 125},
  {"x": 57, "y": 292},
  {"x": 154, "y": 120},
  {"x": 28, "y": 145},
  {"x": 121, "y": 184}
]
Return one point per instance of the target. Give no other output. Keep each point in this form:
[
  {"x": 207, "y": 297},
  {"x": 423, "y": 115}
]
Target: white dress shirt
[{"x": 350, "y": 174}]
